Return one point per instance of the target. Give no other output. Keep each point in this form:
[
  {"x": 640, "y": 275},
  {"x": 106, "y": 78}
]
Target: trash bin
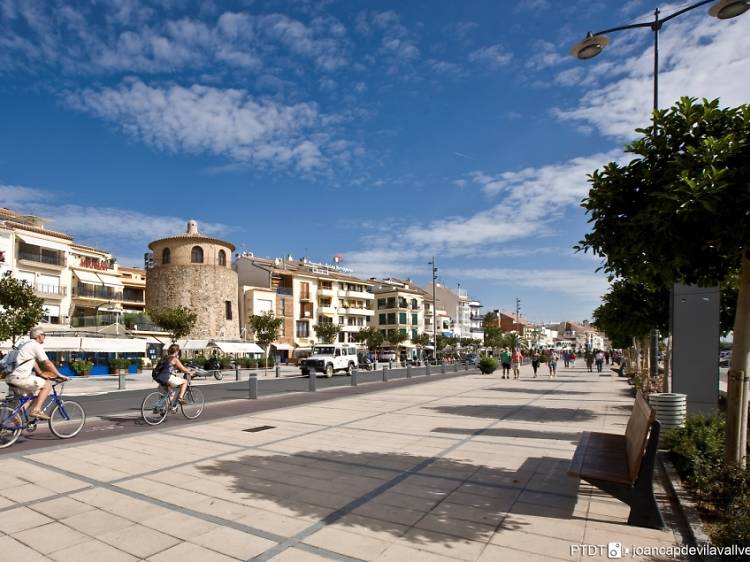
[{"x": 670, "y": 408}]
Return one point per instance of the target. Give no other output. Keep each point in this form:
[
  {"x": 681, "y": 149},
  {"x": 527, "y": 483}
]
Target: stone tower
[{"x": 195, "y": 270}]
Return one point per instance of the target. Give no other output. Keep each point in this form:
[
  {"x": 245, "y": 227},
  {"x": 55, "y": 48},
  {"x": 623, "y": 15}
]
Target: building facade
[
  {"x": 195, "y": 271},
  {"x": 400, "y": 308}
]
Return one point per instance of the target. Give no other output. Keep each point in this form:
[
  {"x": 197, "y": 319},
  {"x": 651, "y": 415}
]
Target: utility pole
[{"x": 434, "y": 306}]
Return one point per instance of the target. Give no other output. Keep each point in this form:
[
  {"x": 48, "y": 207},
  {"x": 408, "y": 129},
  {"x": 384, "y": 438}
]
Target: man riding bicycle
[{"x": 23, "y": 376}]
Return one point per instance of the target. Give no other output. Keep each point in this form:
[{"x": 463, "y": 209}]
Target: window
[
  {"x": 402, "y": 317},
  {"x": 196, "y": 255},
  {"x": 228, "y": 309},
  {"x": 414, "y": 304},
  {"x": 304, "y": 289},
  {"x": 402, "y": 331},
  {"x": 326, "y": 285},
  {"x": 381, "y": 303},
  {"x": 303, "y": 329},
  {"x": 413, "y": 334},
  {"x": 414, "y": 319},
  {"x": 382, "y": 318},
  {"x": 402, "y": 302},
  {"x": 222, "y": 257},
  {"x": 391, "y": 318},
  {"x": 166, "y": 256},
  {"x": 391, "y": 302}
]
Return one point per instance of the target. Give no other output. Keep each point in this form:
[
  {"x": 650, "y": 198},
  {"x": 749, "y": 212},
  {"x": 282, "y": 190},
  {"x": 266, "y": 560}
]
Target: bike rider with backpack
[
  {"x": 166, "y": 369},
  {"x": 23, "y": 377}
]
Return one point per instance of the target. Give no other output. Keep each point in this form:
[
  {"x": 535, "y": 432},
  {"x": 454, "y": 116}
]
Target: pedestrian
[
  {"x": 24, "y": 378},
  {"x": 505, "y": 359},
  {"x": 589, "y": 361},
  {"x": 606, "y": 357},
  {"x": 599, "y": 359},
  {"x": 516, "y": 360},
  {"x": 552, "y": 363},
  {"x": 566, "y": 358},
  {"x": 535, "y": 361},
  {"x": 573, "y": 359}
]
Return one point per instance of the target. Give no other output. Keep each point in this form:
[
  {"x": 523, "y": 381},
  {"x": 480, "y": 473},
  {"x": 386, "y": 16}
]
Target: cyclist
[
  {"x": 174, "y": 364},
  {"x": 23, "y": 376}
]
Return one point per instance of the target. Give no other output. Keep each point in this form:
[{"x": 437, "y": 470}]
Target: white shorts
[
  {"x": 27, "y": 384},
  {"x": 174, "y": 380}
]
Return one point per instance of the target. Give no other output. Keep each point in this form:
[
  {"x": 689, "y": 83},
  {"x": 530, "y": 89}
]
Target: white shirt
[{"x": 29, "y": 352}]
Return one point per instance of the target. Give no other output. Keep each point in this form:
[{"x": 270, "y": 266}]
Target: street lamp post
[{"x": 434, "y": 306}]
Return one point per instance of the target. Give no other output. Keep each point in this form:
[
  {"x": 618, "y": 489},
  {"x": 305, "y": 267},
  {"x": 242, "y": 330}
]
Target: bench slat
[
  {"x": 603, "y": 458},
  {"x": 636, "y": 434}
]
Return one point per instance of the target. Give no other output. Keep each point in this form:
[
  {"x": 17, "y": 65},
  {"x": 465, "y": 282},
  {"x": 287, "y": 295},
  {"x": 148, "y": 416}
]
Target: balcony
[
  {"x": 357, "y": 295},
  {"x": 357, "y": 311},
  {"x": 327, "y": 292},
  {"x": 99, "y": 293},
  {"x": 44, "y": 257},
  {"x": 288, "y": 291},
  {"x": 51, "y": 290},
  {"x": 304, "y": 297},
  {"x": 327, "y": 309}
]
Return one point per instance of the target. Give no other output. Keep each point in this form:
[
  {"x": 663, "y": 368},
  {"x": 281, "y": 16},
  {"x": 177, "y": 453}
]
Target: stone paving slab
[{"x": 468, "y": 468}]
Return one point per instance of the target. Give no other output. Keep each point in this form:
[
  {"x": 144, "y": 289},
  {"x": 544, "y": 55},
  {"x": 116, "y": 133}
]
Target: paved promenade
[{"x": 466, "y": 468}]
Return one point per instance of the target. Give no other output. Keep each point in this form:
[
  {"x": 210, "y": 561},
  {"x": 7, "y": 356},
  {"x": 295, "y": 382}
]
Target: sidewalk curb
[{"x": 686, "y": 505}]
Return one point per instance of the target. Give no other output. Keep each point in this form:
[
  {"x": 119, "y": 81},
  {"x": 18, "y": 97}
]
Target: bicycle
[
  {"x": 158, "y": 404},
  {"x": 66, "y": 420}
]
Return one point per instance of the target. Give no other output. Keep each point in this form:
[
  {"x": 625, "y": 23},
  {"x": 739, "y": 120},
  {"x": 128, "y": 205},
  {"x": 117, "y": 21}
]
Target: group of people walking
[{"x": 512, "y": 361}]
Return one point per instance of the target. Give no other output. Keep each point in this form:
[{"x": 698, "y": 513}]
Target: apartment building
[
  {"x": 476, "y": 320},
  {"x": 97, "y": 291},
  {"x": 401, "y": 308},
  {"x": 38, "y": 256},
  {"x": 463, "y": 311},
  {"x": 303, "y": 294}
]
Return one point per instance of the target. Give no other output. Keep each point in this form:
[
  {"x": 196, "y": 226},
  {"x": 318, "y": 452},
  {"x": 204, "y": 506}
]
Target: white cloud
[
  {"x": 493, "y": 56},
  {"x": 545, "y": 55},
  {"x": 700, "y": 57},
  {"x": 224, "y": 122}
]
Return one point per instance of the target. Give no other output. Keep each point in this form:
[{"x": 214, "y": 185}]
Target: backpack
[
  {"x": 162, "y": 371},
  {"x": 9, "y": 363}
]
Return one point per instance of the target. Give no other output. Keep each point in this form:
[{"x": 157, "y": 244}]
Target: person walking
[
  {"x": 535, "y": 361},
  {"x": 505, "y": 359},
  {"x": 606, "y": 357},
  {"x": 589, "y": 361},
  {"x": 599, "y": 360},
  {"x": 552, "y": 364},
  {"x": 566, "y": 358},
  {"x": 516, "y": 360},
  {"x": 573, "y": 359}
]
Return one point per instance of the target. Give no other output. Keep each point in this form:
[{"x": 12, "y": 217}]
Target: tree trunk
[
  {"x": 737, "y": 388},
  {"x": 667, "y": 387}
]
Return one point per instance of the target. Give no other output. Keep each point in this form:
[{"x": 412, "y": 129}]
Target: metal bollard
[
  {"x": 355, "y": 377},
  {"x": 121, "y": 381},
  {"x": 237, "y": 372},
  {"x": 466, "y": 366},
  {"x": 427, "y": 369},
  {"x": 278, "y": 370},
  {"x": 385, "y": 373},
  {"x": 253, "y": 386},
  {"x": 455, "y": 367},
  {"x": 442, "y": 368},
  {"x": 390, "y": 364},
  {"x": 312, "y": 380},
  {"x": 408, "y": 371}
]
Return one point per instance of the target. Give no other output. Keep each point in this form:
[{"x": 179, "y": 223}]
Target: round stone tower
[{"x": 195, "y": 271}]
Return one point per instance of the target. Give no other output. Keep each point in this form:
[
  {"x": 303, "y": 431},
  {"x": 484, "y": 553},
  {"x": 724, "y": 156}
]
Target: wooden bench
[{"x": 623, "y": 465}]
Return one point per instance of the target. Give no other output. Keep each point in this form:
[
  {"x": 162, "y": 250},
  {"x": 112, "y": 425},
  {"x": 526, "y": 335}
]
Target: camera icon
[{"x": 614, "y": 550}]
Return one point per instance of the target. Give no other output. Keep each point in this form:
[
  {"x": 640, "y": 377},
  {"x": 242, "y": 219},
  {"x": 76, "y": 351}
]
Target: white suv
[{"x": 329, "y": 358}]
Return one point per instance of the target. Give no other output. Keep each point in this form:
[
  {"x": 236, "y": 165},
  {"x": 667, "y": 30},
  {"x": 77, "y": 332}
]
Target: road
[{"x": 118, "y": 413}]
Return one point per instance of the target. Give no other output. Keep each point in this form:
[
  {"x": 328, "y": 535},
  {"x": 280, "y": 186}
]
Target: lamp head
[
  {"x": 727, "y": 9},
  {"x": 591, "y": 46}
]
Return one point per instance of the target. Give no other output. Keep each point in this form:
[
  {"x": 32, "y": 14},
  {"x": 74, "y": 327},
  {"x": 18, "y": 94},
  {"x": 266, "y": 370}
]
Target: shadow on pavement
[
  {"x": 518, "y": 413},
  {"x": 538, "y": 391},
  {"x": 511, "y": 432},
  {"x": 423, "y": 499}
]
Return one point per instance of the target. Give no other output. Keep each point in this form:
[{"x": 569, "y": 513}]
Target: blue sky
[{"x": 387, "y": 132}]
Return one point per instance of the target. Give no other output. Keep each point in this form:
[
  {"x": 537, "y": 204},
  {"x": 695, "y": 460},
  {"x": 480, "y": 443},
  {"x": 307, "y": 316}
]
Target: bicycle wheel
[
  {"x": 154, "y": 408},
  {"x": 194, "y": 403},
  {"x": 67, "y": 419},
  {"x": 10, "y": 426}
]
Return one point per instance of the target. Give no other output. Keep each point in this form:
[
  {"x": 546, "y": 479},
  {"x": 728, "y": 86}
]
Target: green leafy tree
[
  {"x": 678, "y": 212},
  {"x": 493, "y": 337},
  {"x": 490, "y": 319},
  {"x": 421, "y": 341},
  {"x": 371, "y": 337},
  {"x": 265, "y": 329},
  {"x": 21, "y": 308},
  {"x": 178, "y": 321},
  {"x": 327, "y": 332}
]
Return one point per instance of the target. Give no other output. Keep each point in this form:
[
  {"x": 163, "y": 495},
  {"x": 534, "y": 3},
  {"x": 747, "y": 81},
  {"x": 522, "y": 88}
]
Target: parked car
[
  {"x": 471, "y": 359},
  {"x": 329, "y": 358},
  {"x": 387, "y": 356}
]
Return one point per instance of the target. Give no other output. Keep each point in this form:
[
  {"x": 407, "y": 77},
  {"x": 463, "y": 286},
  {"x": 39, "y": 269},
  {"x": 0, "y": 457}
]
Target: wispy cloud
[
  {"x": 492, "y": 57},
  {"x": 224, "y": 122},
  {"x": 700, "y": 57}
]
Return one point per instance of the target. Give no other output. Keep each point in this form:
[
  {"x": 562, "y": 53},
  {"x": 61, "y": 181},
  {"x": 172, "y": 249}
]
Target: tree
[
  {"x": 265, "y": 328},
  {"x": 678, "y": 212},
  {"x": 493, "y": 337},
  {"x": 421, "y": 341},
  {"x": 371, "y": 337},
  {"x": 21, "y": 308},
  {"x": 490, "y": 320},
  {"x": 397, "y": 337},
  {"x": 327, "y": 331},
  {"x": 178, "y": 321}
]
